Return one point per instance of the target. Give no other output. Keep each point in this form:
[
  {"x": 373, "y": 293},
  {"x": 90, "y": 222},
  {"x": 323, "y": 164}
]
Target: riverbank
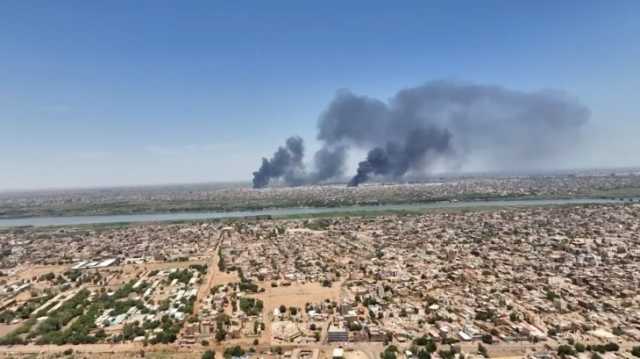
[
  {"x": 152, "y": 200},
  {"x": 290, "y": 212}
]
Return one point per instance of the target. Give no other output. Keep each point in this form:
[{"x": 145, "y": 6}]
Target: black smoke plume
[
  {"x": 395, "y": 160},
  {"x": 329, "y": 163},
  {"x": 286, "y": 162},
  {"x": 441, "y": 123}
]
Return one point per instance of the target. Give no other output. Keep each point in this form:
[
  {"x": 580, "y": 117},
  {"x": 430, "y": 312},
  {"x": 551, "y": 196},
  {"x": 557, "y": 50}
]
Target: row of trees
[
  {"x": 25, "y": 310},
  {"x": 74, "y": 321}
]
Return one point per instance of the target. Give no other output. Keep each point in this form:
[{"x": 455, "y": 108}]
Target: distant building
[
  {"x": 376, "y": 334},
  {"x": 336, "y": 334}
]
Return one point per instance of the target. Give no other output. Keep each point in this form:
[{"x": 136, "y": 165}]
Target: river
[{"x": 278, "y": 212}]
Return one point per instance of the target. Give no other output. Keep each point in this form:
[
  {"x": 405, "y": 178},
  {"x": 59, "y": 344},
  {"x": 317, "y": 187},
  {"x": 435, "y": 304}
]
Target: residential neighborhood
[{"x": 517, "y": 281}]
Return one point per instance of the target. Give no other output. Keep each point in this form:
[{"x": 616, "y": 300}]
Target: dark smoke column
[
  {"x": 441, "y": 124},
  {"x": 286, "y": 162},
  {"x": 395, "y": 160},
  {"x": 377, "y": 162}
]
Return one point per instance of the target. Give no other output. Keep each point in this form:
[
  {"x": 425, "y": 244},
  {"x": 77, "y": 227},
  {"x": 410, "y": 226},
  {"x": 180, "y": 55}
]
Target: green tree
[
  {"x": 221, "y": 334},
  {"x": 423, "y": 354},
  {"x": 565, "y": 350},
  {"x": 612, "y": 347},
  {"x": 235, "y": 351},
  {"x": 388, "y": 354},
  {"x": 487, "y": 339}
]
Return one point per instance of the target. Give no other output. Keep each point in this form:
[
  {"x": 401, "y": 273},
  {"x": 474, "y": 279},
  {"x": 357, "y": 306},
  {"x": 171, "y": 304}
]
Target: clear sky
[{"x": 150, "y": 92}]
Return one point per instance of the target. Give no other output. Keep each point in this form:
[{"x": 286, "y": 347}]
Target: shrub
[
  {"x": 234, "y": 351},
  {"x": 487, "y": 339},
  {"x": 423, "y": 354},
  {"x": 422, "y": 341},
  {"x": 389, "y": 352},
  {"x": 612, "y": 347},
  {"x": 565, "y": 350},
  {"x": 603, "y": 348}
]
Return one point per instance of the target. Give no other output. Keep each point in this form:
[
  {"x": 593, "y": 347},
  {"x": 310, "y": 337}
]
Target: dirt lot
[
  {"x": 296, "y": 295},
  {"x": 7, "y": 328},
  {"x": 23, "y": 272},
  {"x": 355, "y": 354},
  {"x": 129, "y": 350}
]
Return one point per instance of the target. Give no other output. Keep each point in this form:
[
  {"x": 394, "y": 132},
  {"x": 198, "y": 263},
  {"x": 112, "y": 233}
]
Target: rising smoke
[
  {"x": 286, "y": 162},
  {"x": 441, "y": 122}
]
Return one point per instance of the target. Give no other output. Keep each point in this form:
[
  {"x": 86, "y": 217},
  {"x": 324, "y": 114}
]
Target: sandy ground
[
  {"x": 218, "y": 277},
  {"x": 368, "y": 351},
  {"x": 355, "y": 354},
  {"x": 29, "y": 272},
  {"x": 361, "y": 350},
  {"x": 297, "y": 295},
  {"x": 7, "y": 328},
  {"x": 159, "y": 265},
  {"x": 214, "y": 277}
]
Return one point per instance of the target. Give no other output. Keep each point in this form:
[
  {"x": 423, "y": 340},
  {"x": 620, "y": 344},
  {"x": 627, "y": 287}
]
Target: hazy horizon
[
  {"x": 246, "y": 183},
  {"x": 153, "y": 93}
]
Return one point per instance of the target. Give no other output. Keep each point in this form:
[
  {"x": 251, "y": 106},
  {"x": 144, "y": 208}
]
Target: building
[{"x": 336, "y": 334}]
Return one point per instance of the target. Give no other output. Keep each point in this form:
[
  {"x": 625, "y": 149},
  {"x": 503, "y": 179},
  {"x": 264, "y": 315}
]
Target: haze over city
[{"x": 154, "y": 92}]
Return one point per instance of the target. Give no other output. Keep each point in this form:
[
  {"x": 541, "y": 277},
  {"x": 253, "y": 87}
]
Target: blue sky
[{"x": 151, "y": 92}]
